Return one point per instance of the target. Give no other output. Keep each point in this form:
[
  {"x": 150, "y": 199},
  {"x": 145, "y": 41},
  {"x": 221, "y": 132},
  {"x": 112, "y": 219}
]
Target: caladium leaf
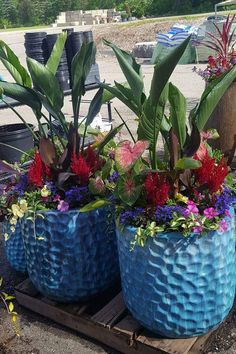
[
  {"x": 128, "y": 190},
  {"x": 127, "y": 154},
  {"x": 109, "y": 137}
]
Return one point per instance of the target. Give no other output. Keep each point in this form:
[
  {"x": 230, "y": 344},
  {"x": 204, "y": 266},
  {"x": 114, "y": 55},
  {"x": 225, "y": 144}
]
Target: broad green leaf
[
  {"x": 94, "y": 205},
  {"x": 55, "y": 57},
  {"x": 81, "y": 66},
  {"x": 94, "y": 107},
  {"x": 109, "y": 137},
  {"x": 178, "y": 113},
  {"x": 13, "y": 65},
  {"x": 116, "y": 93},
  {"x": 47, "y": 83},
  {"x": 131, "y": 70},
  {"x": 186, "y": 163},
  {"x": 150, "y": 122},
  {"x": 163, "y": 71},
  {"x": 22, "y": 94},
  {"x": 128, "y": 190},
  {"x": 211, "y": 97}
]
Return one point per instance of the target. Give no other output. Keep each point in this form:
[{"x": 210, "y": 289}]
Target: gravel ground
[{"x": 39, "y": 335}]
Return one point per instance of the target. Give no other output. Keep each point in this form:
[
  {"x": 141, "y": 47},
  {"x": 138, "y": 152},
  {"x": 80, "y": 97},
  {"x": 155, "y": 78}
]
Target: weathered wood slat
[
  {"x": 111, "y": 313},
  {"x": 169, "y": 346},
  {"x": 111, "y": 324}
]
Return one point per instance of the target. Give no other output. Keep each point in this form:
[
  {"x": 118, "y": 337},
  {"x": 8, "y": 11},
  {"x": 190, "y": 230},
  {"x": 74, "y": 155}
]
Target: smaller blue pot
[
  {"x": 72, "y": 256},
  {"x": 14, "y": 248},
  {"x": 179, "y": 286}
]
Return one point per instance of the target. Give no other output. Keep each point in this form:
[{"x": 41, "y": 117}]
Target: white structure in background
[
  {"x": 224, "y": 3},
  {"x": 80, "y": 18}
]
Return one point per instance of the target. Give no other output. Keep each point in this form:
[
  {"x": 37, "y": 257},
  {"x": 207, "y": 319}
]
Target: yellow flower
[
  {"x": 13, "y": 221},
  {"x": 12, "y": 228},
  {"x": 181, "y": 198},
  {"x": 23, "y": 205},
  {"x": 16, "y": 211},
  {"x": 6, "y": 236},
  {"x": 45, "y": 192}
]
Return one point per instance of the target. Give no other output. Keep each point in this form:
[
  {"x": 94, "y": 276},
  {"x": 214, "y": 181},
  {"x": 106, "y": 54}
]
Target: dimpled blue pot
[
  {"x": 14, "y": 248},
  {"x": 76, "y": 255},
  {"x": 178, "y": 287}
]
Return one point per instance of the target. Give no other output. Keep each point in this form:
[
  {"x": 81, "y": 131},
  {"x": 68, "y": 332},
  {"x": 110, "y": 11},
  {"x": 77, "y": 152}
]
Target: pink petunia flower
[
  {"x": 210, "y": 213},
  {"x": 223, "y": 225},
  {"x": 191, "y": 209},
  {"x": 63, "y": 206}
]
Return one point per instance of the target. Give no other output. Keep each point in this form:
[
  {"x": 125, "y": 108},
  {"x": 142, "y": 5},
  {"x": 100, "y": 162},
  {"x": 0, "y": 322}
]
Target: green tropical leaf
[
  {"x": 211, "y": 97},
  {"x": 94, "y": 205},
  {"x": 55, "y": 57},
  {"x": 131, "y": 70},
  {"x": 109, "y": 137},
  {"x": 186, "y": 163},
  {"x": 23, "y": 95},
  {"x": 178, "y": 107},
  {"x": 94, "y": 107},
  {"x": 163, "y": 70},
  {"x": 81, "y": 66},
  {"x": 13, "y": 65},
  {"x": 47, "y": 83},
  {"x": 128, "y": 190}
]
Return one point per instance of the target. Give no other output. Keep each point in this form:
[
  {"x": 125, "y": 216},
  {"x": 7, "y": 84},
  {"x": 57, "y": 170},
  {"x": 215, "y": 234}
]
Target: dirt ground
[{"x": 39, "y": 335}]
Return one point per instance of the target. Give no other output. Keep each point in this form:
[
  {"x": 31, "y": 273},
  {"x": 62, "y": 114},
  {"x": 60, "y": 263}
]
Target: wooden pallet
[{"x": 107, "y": 320}]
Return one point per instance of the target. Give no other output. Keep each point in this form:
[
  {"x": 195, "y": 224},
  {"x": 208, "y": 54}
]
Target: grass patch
[{"x": 12, "y": 29}]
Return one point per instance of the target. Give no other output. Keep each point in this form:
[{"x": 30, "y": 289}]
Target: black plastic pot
[{"x": 16, "y": 136}]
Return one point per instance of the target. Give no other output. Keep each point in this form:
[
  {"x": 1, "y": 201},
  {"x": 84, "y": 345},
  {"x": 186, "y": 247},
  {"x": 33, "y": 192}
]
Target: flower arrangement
[
  {"x": 185, "y": 192},
  {"x": 223, "y": 45},
  {"x": 65, "y": 172}
]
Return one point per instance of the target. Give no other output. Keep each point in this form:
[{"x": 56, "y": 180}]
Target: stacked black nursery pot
[{"x": 36, "y": 46}]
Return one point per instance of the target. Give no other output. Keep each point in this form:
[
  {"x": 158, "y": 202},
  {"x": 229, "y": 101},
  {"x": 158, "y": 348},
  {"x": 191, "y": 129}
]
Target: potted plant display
[
  {"x": 223, "y": 117},
  {"x": 70, "y": 250},
  {"x": 175, "y": 228}
]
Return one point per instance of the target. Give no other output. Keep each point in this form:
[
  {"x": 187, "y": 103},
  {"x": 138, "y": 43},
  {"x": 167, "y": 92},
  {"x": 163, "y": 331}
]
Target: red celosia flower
[
  {"x": 35, "y": 174},
  {"x": 211, "y": 173},
  {"x": 80, "y": 167},
  {"x": 157, "y": 189},
  {"x": 92, "y": 159},
  {"x": 38, "y": 171}
]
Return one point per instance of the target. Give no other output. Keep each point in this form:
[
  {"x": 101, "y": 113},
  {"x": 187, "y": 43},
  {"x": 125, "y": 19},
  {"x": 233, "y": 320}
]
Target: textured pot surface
[
  {"x": 72, "y": 256},
  {"x": 14, "y": 247},
  {"x": 176, "y": 286}
]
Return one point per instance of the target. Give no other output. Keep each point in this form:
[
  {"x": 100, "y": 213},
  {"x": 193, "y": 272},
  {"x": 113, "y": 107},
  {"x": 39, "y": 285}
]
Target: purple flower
[
  {"x": 56, "y": 198},
  {"x": 191, "y": 209},
  {"x": 21, "y": 186},
  {"x": 165, "y": 213},
  {"x": 76, "y": 194},
  {"x": 129, "y": 216},
  {"x": 113, "y": 177},
  {"x": 198, "y": 229},
  {"x": 210, "y": 213},
  {"x": 63, "y": 206},
  {"x": 224, "y": 201},
  {"x": 223, "y": 225}
]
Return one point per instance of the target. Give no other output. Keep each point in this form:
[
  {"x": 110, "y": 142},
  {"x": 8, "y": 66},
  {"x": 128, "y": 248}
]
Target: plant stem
[
  {"x": 76, "y": 117},
  {"x": 14, "y": 148},
  {"x": 21, "y": 118},
  {"x": 57, "y": 134},
  {"x": 125, "y": 124}
]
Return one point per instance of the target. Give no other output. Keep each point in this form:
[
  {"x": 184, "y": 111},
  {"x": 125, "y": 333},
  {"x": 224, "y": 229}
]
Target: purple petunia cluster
[
  {"x": 76, "y": 194},
  {"x": 224, "y": 201},
  {"x": 165, "y": 213},
  {"x": 128, "y": 216},
  {"x": 21, "y": 186}
]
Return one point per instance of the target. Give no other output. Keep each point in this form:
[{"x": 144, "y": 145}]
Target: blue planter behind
[
  {"x": 179, "y": 287},
  {"x": 77, "y": 255},
  {"x": 14, "y": 248}
]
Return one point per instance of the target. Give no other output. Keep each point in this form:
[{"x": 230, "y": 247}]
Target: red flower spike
[
  {"x": 92, "y": 159},
  {"x": 211, "y": 173},
  {"x": 80, "y": 167},
  {"x": 156, "y": 189},
  {"x": 35, "y": 174}
]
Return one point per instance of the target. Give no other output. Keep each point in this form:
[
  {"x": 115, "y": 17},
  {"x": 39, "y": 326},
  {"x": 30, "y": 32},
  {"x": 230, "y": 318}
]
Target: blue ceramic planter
[
  {"x": 179, "y": 287},
  {"x": 75, "y": 256},
  {"x": 14, "y": 248}
]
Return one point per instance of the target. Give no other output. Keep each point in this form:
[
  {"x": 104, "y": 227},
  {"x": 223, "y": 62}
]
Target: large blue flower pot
[
  {"x": 175, "y": 286},
  {"x": 14, "y": 248},
  {"x": 72, "y": 256}
]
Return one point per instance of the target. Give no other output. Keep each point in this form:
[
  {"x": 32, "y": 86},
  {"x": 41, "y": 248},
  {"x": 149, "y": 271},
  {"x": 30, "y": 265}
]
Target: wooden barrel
[{"x": 223, "y": 119}]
